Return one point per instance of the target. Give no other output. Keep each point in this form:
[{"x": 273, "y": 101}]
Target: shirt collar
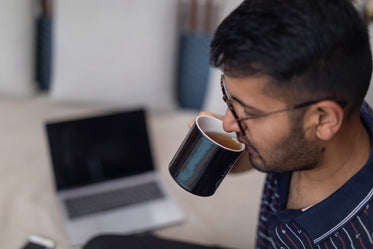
[{"x": 342, "y": 205}]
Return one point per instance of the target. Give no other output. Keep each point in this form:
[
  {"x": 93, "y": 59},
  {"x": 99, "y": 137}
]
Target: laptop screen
[{"x": 96, "y": 149}]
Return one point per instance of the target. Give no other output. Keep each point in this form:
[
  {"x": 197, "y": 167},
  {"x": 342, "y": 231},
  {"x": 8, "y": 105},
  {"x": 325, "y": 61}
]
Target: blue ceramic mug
[{"x": 205, "y": 156}]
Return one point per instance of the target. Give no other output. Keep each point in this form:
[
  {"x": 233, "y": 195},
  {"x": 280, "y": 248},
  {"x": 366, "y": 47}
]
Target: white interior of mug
[{"x": 211, "y": 124}]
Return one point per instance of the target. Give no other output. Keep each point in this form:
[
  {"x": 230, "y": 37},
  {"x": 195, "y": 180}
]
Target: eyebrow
[{"x": 243, "y": 104}]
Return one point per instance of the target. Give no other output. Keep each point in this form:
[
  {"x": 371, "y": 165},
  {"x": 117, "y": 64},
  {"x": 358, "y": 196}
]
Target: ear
[{"x": 328, "y": 118}]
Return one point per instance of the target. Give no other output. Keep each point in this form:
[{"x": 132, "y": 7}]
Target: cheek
[{"x": 267, "y": 131}]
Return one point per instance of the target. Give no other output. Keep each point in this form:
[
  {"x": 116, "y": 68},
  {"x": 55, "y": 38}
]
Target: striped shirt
[{"x": 343, "y": 220}]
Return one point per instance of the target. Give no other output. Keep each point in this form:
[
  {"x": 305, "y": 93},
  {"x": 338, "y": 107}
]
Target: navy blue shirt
[{"x": 343, "y": 220}]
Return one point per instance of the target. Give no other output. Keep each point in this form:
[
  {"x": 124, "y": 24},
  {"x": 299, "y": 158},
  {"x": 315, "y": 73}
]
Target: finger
[
  {"x": 218, "y": 116},
  {"x": 190, "y": 124}
]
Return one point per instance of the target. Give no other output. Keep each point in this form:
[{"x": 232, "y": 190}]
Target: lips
[
  {"x": 248, "y": 145},
  {"x": 250, "y": 149}
]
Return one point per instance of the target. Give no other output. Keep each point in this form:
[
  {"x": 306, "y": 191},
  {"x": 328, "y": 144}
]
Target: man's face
[{"x": 277, "y": 142}]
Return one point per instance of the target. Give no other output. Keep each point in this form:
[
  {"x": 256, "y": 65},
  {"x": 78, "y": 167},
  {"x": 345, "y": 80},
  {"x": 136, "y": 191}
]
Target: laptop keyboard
[{"x": 95, "y": 203}]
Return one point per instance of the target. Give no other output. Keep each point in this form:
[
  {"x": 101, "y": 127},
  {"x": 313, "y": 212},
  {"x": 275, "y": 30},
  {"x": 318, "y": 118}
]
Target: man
[{"x": 295, "y": 76}]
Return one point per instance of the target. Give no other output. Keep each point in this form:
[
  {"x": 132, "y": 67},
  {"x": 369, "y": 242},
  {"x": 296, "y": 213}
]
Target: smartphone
[{"x": 38, "y": 242}]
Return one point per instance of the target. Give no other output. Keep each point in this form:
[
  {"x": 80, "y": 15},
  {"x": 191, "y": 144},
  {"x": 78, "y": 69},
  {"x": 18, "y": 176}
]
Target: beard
[{"x": 292, "y": 153}]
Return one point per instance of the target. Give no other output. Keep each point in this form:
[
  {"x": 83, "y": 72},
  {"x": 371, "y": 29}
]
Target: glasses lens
[
  {"x": 224, "y": 89},
  {"x": 227, "y": 98}
]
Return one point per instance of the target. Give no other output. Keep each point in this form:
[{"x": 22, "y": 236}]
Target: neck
[{"x": 344, "y": 156}]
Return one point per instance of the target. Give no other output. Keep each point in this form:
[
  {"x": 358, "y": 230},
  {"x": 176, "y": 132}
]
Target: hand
[{"x": 190, "y": 124}]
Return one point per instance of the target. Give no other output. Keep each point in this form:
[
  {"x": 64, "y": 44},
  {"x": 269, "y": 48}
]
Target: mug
[{"x": 205, "y": 156}]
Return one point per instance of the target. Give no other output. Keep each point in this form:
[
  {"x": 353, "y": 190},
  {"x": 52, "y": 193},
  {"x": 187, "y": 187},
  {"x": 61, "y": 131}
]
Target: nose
[{"x": 230, "y": 124}]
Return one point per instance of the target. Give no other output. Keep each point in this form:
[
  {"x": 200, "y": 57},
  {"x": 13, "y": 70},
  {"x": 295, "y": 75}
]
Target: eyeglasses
[{"x": 228, "y": 100}]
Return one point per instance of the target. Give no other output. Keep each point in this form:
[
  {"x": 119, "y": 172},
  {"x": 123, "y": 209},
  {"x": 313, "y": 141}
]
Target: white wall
[
  {"x": 213, "y": 100},
  {"x": 112, "y": 51},
  {"x": 17, "y": 48}
]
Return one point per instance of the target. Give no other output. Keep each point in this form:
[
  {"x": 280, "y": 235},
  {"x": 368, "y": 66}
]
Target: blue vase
[
  {"x": 193, "y": 69},
  {"x": 44, "y": 52}
]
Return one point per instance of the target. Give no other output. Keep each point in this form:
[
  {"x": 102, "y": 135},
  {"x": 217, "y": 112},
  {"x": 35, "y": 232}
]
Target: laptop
[{"x": 105, "y": 177}]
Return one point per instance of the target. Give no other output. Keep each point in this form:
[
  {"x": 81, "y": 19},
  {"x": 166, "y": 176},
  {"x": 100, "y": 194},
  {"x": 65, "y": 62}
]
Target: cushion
[{"x": 116, "y": 51}]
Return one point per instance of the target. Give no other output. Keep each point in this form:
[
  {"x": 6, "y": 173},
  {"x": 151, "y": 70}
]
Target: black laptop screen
[{"x": 95, "y": 149}]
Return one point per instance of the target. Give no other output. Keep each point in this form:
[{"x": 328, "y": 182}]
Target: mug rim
[{"x": 222, "y": 130}]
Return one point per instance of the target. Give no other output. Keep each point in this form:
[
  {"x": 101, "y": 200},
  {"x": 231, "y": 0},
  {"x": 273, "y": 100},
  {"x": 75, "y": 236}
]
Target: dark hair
[{"x": 310, "y": 49}]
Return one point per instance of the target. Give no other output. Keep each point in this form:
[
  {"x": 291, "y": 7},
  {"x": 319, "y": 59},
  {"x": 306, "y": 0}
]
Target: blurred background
[
  {"x": 64, "y": 58},
  {"x": 116, "y": 52}
]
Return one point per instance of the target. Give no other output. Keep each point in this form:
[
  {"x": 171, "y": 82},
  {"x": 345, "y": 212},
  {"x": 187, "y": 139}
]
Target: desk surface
[{"x": 28, "y": 204}]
